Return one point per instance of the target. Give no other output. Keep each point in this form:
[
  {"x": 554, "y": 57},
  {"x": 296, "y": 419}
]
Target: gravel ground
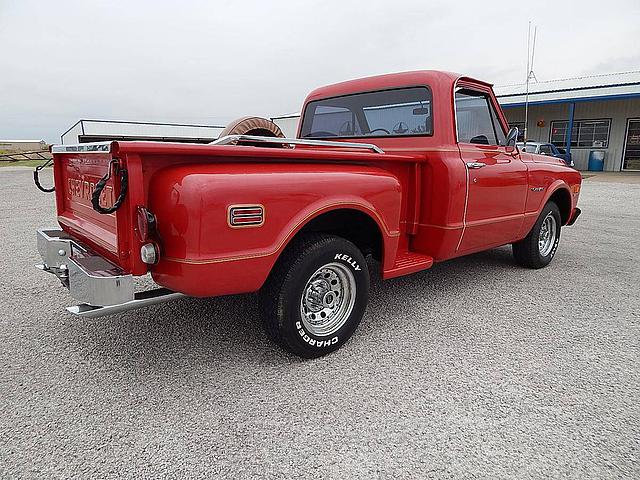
[{"x": 474, "y": 369}]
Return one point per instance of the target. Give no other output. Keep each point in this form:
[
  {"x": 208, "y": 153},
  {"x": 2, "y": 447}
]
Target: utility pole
[{"x": 531, "y": 51}]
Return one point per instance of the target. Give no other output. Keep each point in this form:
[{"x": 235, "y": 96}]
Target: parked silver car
[{"x": 542, "y": 148}]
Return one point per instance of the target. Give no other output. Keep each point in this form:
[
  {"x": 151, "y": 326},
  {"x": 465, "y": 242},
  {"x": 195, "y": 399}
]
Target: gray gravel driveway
[{"x": 474, "y": 369}]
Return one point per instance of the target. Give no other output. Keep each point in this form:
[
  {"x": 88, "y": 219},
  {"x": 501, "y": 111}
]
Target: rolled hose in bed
[{"x": 95, "y": 196}]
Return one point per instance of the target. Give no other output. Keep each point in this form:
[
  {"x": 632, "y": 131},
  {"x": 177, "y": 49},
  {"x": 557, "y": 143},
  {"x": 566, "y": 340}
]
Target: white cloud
[{"x": 208, "y": 62}]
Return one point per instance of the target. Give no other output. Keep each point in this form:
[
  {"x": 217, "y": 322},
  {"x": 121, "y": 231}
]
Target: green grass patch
[{"x": 22, "y": 163}]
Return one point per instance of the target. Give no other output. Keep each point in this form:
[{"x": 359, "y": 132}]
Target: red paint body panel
[
  {"x": 427, "y": 204},
  {"x": 490, "y": 222},
  {"x": 196, "y": 237}
]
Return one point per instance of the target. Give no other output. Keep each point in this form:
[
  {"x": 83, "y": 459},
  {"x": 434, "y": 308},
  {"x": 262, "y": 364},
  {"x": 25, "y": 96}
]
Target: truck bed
[{"x": 78, "y": 168}]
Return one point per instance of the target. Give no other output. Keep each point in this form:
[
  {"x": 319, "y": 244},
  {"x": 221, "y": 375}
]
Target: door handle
[{"x": 475, "y": 164}]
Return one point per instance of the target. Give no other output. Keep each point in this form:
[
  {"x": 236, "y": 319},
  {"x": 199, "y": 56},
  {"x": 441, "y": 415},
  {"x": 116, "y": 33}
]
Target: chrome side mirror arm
[{"x": 511, "y": 139}]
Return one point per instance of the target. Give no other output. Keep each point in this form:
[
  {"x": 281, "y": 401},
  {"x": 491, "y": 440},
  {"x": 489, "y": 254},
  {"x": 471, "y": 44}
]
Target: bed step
[{"x": 408, "y": 262}]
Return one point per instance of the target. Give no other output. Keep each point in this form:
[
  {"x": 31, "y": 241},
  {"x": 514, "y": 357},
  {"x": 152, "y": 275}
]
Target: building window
[{"x": 585, "y": 133}]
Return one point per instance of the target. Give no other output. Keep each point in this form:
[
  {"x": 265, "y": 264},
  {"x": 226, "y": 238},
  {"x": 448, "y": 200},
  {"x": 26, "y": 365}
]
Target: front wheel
[
  {"x": 316, "y": 295},
  {"x": 538, "y": 248}
]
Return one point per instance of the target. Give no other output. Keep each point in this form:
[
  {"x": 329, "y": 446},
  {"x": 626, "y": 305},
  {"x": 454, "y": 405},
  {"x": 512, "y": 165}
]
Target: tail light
[
  {"x": 145, "y": 223},
  {"x": 149, "y": 253}
]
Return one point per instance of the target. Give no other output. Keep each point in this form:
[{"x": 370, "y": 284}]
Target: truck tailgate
[{"x": 76, "y": 175}]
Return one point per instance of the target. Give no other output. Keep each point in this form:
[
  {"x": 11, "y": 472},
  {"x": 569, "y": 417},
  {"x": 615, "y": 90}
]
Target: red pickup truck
[{"x": 410, "y": 168}]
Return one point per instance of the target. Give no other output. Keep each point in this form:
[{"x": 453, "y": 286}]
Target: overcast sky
[{"x": 207, "y": 62}]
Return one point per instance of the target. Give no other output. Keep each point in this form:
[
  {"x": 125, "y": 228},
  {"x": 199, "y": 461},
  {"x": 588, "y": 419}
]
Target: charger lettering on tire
[{"x": 311, "y": 341}]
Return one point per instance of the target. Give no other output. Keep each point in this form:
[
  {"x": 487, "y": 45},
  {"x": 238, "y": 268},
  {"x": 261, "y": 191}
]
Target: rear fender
[{"x": 203, "y": 254}]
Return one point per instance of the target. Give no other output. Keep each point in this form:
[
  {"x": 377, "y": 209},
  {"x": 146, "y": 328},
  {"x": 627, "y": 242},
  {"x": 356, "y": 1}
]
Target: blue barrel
[{"x": 596, "y": 161}]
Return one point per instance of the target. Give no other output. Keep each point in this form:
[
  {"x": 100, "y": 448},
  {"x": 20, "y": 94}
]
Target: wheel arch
[
  {"x": 561, "y": 196},
  {"x": 356, "y": 223}
]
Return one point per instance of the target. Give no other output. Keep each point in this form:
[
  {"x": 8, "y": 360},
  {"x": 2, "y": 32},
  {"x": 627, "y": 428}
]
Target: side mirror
[{"x": 512, "y": 137}]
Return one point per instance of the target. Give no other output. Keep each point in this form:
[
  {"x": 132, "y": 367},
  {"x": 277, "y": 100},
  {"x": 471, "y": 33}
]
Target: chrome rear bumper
[{"x": 102, "y": 287}]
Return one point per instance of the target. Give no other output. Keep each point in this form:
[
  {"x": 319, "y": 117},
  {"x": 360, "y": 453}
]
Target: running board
[
  {"x": 406, "y": 263},
  {"x": 141, "y": 299}
]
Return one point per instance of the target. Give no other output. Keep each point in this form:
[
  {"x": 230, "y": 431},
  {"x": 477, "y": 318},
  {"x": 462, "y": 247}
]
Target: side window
[
  {"x": 476, "y": 120},
  {"x": 502, "y": 138}
]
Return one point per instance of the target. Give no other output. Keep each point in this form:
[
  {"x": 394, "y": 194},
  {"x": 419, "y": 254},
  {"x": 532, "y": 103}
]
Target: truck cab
[{"x": 471, "y": 190}]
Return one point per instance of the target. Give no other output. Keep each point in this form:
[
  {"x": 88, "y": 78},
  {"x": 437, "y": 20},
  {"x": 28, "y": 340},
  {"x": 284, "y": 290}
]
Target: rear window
[{"x": 389, "y": 113}]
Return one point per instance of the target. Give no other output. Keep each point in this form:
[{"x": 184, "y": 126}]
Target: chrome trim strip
[
  {"x": 456, "y": 88},
  {"x": 226, "y": 140},
  {"x": 105, "y": 147},
  {"x": 94, "y": 147},
  {"x": 142, "y": 299},
  {"x": 236, "y": 212},
  {"x": 464, "y": 214}
]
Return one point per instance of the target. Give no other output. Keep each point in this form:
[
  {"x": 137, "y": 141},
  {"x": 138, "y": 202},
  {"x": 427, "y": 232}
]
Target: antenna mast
[{"x": 531, "y": 51}]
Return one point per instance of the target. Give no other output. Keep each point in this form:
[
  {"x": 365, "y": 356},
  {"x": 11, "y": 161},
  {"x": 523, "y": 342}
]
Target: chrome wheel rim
[
  {"x": 547, "y": 237},
  {"x": 328, "y": 299}
]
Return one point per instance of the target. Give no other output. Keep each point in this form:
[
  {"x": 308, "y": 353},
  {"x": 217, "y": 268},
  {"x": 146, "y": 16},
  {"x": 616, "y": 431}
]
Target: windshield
[{"x": 393, "y": 113}]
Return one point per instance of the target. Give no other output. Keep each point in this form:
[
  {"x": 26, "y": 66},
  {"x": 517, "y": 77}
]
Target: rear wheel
[
  {"x": 538, "y": 248},
  {"x": 316, "y": 295}
]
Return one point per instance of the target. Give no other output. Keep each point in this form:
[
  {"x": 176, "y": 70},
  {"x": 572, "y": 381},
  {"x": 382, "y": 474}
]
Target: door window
[
  {"x": 502, "y": 138},
  {"x": 476, "y": 119}
]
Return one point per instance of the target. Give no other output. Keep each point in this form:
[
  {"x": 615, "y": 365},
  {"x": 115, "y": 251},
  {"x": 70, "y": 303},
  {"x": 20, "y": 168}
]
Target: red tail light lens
[{"x": 145, "y": 223}]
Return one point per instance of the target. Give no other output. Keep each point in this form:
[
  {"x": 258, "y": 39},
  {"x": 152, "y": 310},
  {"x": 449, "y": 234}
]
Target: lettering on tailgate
[{"x": 81, "y": 190}]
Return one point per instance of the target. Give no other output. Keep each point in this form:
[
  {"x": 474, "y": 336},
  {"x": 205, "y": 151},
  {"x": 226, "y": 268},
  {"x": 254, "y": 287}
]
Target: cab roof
[{"x": 433, "y": 78}]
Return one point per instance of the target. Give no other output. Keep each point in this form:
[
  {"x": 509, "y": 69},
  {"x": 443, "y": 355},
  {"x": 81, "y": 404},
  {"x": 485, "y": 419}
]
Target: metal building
[
  {"x": 582, "y": 114},
  {"x": 84, "y": 131}
]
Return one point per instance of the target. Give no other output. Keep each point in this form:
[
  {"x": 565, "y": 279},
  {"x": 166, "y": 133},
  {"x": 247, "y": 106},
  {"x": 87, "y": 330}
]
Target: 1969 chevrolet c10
[{"x": 410, "y": 168}]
